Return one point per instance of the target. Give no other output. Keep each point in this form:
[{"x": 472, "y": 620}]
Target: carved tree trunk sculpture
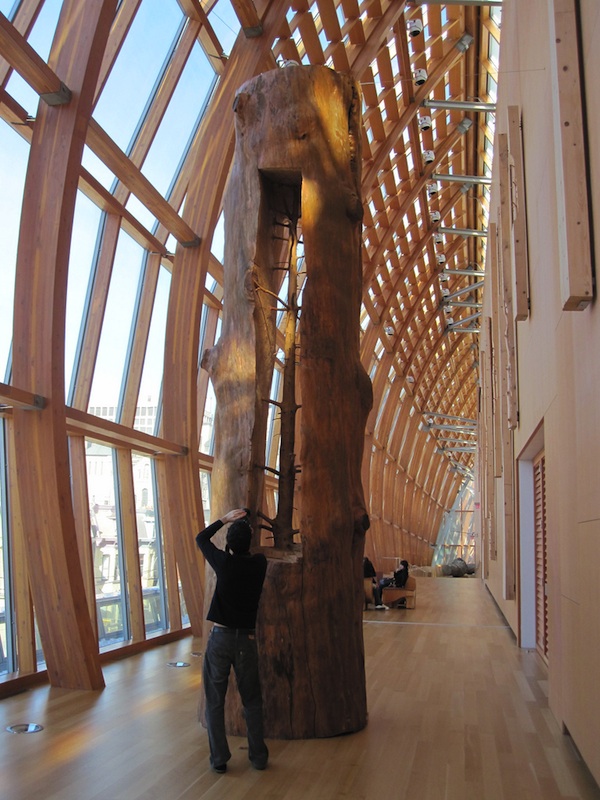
[{"x": 298, "y": 155}]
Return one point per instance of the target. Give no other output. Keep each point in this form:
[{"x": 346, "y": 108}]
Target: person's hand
[{"x": 231, "y": 516}]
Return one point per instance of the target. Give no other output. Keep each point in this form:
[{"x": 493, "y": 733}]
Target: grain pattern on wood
[
  {"x": 41, "y": 450},
  {"x": 298, "y": 146},
  {"x": 182, "y": 503},
  {"x": 456, "y": 710}
]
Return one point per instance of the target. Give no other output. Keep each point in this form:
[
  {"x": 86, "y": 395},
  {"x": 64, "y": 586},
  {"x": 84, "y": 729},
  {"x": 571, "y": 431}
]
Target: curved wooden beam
[{"x": 42, "y": 456}]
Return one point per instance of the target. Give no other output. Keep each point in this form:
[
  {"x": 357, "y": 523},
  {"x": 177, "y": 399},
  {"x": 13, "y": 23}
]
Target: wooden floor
[{"x": 456, "y": 712}]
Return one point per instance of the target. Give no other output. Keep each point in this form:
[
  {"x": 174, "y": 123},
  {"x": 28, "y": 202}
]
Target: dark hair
[{"x": 239, "y": 536}]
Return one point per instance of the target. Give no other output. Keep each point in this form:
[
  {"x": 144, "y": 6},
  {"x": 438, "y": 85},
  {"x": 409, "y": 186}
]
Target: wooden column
[
  {"x": 41, "y": 448},
  {"x": 298, "y": 129}
]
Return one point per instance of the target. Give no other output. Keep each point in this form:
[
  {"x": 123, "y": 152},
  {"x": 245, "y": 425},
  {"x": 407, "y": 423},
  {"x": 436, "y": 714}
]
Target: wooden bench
[{"x": 392, "y": 594}]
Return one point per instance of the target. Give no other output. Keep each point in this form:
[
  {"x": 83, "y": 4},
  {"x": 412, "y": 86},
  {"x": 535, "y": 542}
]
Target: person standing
[{"x": 232, "y": 639}]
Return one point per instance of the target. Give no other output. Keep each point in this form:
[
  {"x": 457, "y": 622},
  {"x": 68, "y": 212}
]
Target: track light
[
  {"x": 460, "y": 105},
  {"x": 452, "y": 178},
  {"x": 464, "y": 42},
  {"x": 464, "y": 232},
  {"x": 464, "y": 125},
  {"x": 414, "y": 27}
]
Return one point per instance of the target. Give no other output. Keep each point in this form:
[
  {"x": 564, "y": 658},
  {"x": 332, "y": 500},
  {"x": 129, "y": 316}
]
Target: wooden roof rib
[{"x": 407, "y": 342}]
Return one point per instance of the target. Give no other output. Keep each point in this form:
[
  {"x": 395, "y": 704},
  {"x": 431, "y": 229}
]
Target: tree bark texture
[{"x": 298, "y": 129}]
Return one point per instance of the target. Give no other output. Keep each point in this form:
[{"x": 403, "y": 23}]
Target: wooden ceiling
[{"x": 425, "y": 208}]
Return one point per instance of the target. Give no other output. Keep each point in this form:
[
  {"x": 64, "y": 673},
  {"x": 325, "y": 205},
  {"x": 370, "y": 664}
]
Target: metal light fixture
[
  {"x": 452, "y": 178},
  {"x": 463, "y": 231},
  {"x": 464, "y": 42},
  {"x": 460, "y": 105},
  {"x": 414, "y": 27}
]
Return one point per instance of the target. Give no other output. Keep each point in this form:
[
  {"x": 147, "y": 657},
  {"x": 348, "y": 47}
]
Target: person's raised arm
[{"x": 236, "y": 513}]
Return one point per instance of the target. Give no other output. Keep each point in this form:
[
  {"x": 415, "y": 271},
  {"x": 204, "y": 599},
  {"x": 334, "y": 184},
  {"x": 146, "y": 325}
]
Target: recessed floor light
[
  {"x": 25, "y": 727},
  {"x": 178, "y": 664}
]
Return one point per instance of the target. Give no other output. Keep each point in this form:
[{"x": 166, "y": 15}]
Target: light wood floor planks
[{"x": 456, "y": 712}]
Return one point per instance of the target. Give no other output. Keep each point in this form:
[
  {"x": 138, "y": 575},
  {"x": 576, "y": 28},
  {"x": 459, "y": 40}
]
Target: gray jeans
[{"x": 235, "y": 647}]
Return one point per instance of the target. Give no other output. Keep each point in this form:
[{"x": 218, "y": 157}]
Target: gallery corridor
[{"x": 456, "y": 712}]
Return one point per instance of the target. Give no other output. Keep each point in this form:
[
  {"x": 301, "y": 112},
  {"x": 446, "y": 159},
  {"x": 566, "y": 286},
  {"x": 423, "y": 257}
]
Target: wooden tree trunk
[{"x": 298, "y": 130}]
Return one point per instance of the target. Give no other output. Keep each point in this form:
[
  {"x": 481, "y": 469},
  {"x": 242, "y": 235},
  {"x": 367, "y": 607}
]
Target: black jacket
[{"x": 239, "y": 582}]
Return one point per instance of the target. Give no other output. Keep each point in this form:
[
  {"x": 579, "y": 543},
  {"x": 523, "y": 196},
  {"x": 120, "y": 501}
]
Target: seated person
[
  {"x": 369, "y": 572},
  {"x": 398, "y": 581}
]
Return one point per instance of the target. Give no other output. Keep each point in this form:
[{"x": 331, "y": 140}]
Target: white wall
[{"x": 558, "y": 354}]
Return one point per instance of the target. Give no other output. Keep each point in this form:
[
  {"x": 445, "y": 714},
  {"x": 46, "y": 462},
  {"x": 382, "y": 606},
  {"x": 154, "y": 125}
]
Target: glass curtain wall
[
  {"x": 150, "y": 104},
  {"x": 456, "y": 538}
]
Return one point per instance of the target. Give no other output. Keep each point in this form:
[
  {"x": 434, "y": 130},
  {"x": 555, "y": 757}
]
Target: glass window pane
[
  {"x": 97, "y": 168},
  {"x": 155, "y": 351},
  {"x": 40, "y": 39},
  {"x": 494, "y": 51},
  {"x": 149, "y": 545},
  {"x": 86, "y": 223},
  {"x": 140, "y": 212},
  {"x": 14, "y": 153},
  {"x": 185, "y": 617},
  {"x": 132, "y": 78},
  {"x": 225, "y": 23},
  {"x": 217, "y": 246},
  {"x": 208, "y": 422},
  {"x": 106, "y": 548},
  {"x": 205, "y": 488},
  {"x": 180, "y": 121},
  {"x": 114, "y": 340}
]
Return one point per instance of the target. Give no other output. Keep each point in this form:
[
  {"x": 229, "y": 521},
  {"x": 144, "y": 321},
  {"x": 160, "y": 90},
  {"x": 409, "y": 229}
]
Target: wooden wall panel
[
  {"x": 505, "y": 297},
  {"x": 519, "y": 215},
  {"x": 574, "y": 238}
]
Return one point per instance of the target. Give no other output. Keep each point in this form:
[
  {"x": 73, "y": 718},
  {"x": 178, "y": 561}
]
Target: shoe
[
  {"x": 382, "y": 607},
  {"x": 220, "y": 768},
  {"x": 259, "y": 766}
]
